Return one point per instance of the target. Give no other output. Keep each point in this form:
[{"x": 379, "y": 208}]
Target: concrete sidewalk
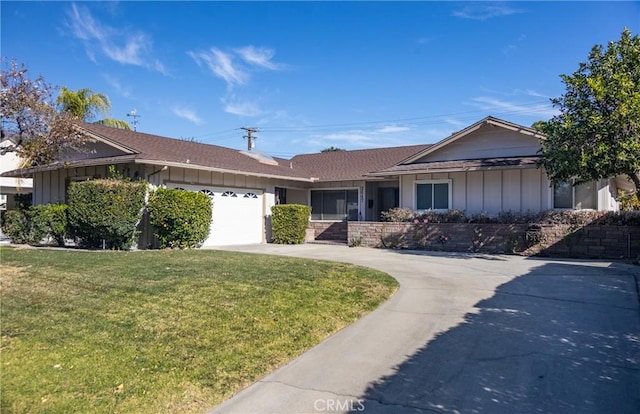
[{"x": 468, "y": 333}]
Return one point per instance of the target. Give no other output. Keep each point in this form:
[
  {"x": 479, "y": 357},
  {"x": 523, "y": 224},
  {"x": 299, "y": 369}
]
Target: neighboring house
[
  {"x": 10, "y": 186},
  {"x": 488, "y": 167}
]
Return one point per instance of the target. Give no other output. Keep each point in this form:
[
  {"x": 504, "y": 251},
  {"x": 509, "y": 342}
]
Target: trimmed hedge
[
  {"x": 33, "y": 224},
  {"x": 17, "y": 226},
  {"x": 180, "y": 218},
  {"x": 49, "y": 220},
  {"x": 289, "y": 223},
  {"x": 106, "y": 210}
]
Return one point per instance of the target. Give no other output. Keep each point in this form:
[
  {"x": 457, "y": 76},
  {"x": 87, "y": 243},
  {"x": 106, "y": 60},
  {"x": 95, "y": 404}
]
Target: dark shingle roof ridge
[
  {"x": 106, "y": 129},
  {"x": 378, "y": 149}
]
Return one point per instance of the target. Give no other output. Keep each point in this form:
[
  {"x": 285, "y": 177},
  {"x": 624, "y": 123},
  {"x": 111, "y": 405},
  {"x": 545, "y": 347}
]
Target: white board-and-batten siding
[
  {"x": 488, "y": 191},
  {"x": 487, "y": 142}
]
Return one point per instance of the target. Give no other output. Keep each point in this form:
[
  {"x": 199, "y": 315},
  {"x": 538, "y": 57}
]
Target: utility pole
[
  {"x": 249, "y": 137},
  {"x": 135, "y": 116}
]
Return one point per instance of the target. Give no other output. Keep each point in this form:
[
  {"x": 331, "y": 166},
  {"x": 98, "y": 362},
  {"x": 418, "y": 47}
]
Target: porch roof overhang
[
  {"x": 460, "y": 166},
  {"x": 134, "y": 158}
]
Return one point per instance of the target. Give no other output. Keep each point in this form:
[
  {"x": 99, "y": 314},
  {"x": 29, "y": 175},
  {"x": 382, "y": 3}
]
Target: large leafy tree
[
  {"x": 86, "y": 105},
  {"x": 597, "y": 133},
  {"x": 30, "y": 122}
]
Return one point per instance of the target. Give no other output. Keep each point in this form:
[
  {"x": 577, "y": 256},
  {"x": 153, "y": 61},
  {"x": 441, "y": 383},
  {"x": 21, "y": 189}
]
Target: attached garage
[{"x": 237, "y": 214}]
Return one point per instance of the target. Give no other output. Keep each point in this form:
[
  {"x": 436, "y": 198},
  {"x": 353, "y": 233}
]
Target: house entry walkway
[{"x": 468, "y": 333}]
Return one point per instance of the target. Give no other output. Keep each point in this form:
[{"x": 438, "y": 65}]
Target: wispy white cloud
[
  {"x": 531, "y": 92},
  {"x": 392, "y": 129},
  {"x": 117, "y": 44},
  {"x": 258, "y": 56},
  {"x": 388, "y": 135},
  {"x": 505, "y": 107},
  {"x": 456, "y": 123},
  {"x": 221, "y": 64},
  {"x": 485, "y": 11},
  {"x": 245, "y": 109},
  {"x": 514, "y": 47},
  {"x": 234, "y": 67},
  {"x": 188, "y": 114},
  {"x": 117, "y": 86}
]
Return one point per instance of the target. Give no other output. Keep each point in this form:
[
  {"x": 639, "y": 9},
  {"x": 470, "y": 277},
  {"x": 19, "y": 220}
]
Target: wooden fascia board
[{"x": 221, "y": 170}]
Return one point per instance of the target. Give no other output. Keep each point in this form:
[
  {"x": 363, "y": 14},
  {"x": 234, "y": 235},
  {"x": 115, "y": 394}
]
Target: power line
[
  {"x": 430, "y": 119},
  {"x": 420, "y": 120},
  {"x": 249, "y": 137}
]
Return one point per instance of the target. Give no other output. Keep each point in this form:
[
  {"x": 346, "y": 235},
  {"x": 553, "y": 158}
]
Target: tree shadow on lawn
[{"x": 563, "y": 338}]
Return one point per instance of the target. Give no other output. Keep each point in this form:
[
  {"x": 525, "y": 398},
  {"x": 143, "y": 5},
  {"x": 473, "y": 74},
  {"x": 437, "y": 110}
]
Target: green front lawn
[{"x": 163, "y": 331}]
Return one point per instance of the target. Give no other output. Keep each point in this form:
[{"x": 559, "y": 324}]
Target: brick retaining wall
[
  {"x": 593, "y": 241},
  {"x": 335, "y": 230}
]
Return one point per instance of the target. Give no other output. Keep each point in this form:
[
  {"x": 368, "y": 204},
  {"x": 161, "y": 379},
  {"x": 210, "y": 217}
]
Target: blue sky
[{"x": 310, "y": 75}]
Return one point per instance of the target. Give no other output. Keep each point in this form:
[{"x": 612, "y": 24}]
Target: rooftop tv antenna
[{"x": 135, "y": 116}]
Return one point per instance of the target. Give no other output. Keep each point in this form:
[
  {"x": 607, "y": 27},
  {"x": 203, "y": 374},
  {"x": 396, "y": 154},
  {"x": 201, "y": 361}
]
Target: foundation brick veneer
[{"x": 592, "y": 241}]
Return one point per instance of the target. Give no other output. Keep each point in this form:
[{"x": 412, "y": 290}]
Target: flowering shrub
[
  {"x": 398, "y": 215},
  {"x": 574, "y": 218}
]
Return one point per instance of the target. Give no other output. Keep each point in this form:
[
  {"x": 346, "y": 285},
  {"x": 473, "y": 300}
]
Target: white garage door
[{"x": 237, "y": 215}]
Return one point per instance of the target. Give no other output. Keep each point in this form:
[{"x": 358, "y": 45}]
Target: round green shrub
[
  {"x": 49, "y": 220},
  {"x": 106, "y": 211},
  {"x": 17, "y": 226},
  {"x": 181, "y": 219}
]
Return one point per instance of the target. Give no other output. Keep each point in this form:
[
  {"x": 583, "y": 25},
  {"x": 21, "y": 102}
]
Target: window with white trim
[
  {"x": 433, "y": 195},
  {"x": 579, "y": 197}
]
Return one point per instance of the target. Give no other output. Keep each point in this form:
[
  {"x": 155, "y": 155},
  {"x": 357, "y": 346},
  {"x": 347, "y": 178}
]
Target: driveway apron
[{"x": 468, "y": 334}]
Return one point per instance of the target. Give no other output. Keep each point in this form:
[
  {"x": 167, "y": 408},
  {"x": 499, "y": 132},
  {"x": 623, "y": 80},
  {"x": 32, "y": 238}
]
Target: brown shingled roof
[
  {"x": 148, "y": 148},
  {"x": 353, "y": 165},
  {"x": 157, "y": 148}
]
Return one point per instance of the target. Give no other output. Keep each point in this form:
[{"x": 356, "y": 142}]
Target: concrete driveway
[{"x": 469, "y": 334}]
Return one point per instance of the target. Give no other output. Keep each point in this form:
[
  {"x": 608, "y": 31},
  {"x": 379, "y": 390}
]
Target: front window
[
  {"x": 569, "y": 196},
  {"x": 334, "y": 205},
  {"x": 433, "y": 195}
]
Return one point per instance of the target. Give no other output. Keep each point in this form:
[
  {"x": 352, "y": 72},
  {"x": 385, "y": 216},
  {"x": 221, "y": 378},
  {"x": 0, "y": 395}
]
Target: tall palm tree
[{"x": 86, "y": 105}]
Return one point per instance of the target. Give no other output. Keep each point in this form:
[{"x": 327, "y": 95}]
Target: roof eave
[
  {"x": 221, "y": 170},
  {"x": 453, "y": 169},
  {"x": 28, "y": 172}
]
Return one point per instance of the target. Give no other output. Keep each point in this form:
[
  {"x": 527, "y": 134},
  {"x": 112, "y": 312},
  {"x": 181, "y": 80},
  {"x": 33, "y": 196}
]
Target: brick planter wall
[
  {"x": 593, "y": 241},
  {"x": 335, "y": 231}
]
